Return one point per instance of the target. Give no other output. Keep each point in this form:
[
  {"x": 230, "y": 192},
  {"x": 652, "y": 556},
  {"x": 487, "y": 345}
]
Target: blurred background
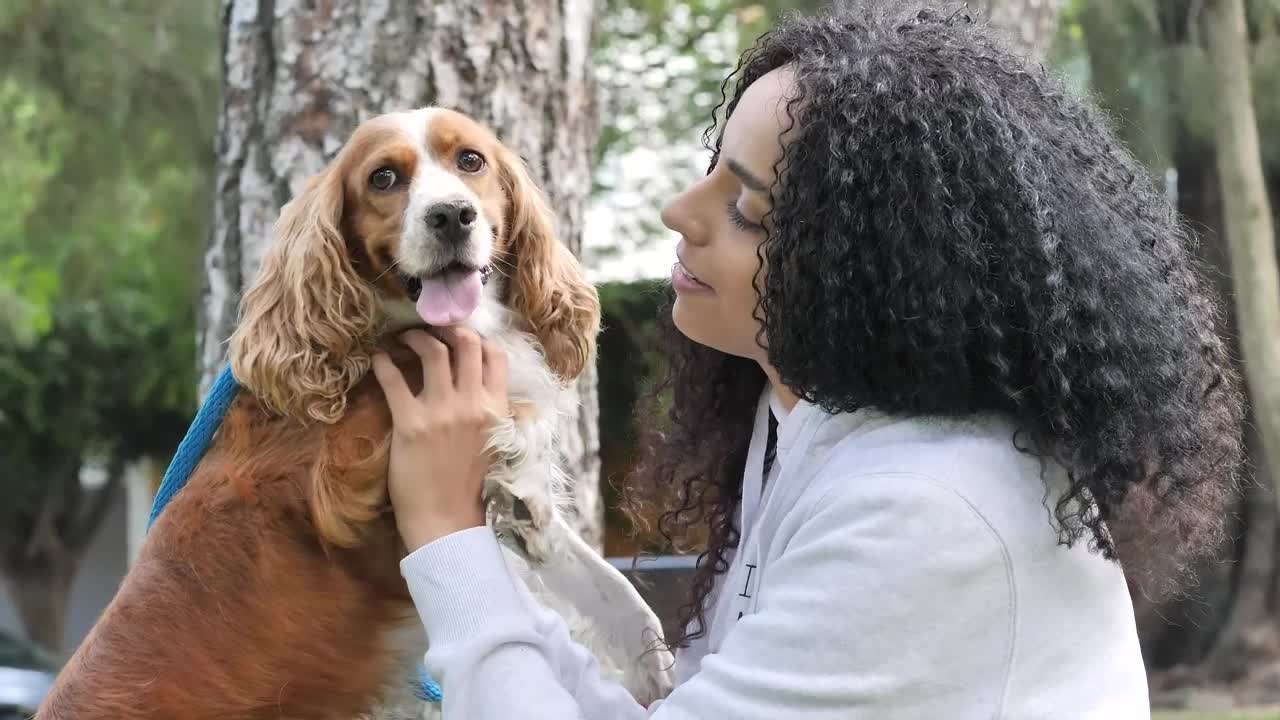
[{"x": 148, "y": 144}]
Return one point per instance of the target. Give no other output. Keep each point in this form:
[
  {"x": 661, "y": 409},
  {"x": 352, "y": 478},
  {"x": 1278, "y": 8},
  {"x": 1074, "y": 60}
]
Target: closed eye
[{"x": 740, "y": 221}]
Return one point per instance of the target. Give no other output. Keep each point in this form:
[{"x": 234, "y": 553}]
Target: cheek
[
  {"x": 741, "y": 270},
  {"x": 377, "y": 229},
  {"x": 725, "y": 320},
  {"x": 494, "y": 205}
]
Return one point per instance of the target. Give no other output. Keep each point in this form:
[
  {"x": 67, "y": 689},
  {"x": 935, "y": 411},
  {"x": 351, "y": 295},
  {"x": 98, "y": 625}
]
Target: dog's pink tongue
[{"x": 449, "y": 298}]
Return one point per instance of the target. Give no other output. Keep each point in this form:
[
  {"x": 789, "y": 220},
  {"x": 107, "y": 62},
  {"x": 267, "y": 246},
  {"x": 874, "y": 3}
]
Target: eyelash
[{"x": 739, "y": 220}]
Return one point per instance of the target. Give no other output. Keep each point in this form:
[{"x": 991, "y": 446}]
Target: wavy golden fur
[
  {"x": 277, "y": 565},
  {"x": 548, "y": 290}
]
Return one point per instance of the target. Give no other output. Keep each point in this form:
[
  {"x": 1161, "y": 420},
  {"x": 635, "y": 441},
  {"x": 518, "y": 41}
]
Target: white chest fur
[{"x": 526, "y": 493}]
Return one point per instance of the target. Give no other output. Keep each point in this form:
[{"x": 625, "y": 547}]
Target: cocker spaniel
[{"x": 270, "y": 586}]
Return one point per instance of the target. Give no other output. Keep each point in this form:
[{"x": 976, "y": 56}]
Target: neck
[{"x": 784, "y": 394}]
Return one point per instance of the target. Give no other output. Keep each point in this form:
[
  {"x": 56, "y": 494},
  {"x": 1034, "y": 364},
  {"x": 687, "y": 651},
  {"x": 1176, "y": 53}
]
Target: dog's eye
[
  {"x": 470, "y": 161},
  {"x": 382, "y": 179}
]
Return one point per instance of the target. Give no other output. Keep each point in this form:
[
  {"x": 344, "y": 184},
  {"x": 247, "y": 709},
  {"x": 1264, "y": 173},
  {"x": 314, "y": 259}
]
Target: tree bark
[
  {"x": 41, "y": 594},
  {"x": 299, "y": 75},
  {"x": 42, "y": 549},
  {"x": 1028, "y": 24},
  {"x": 1247, "y": 221}
]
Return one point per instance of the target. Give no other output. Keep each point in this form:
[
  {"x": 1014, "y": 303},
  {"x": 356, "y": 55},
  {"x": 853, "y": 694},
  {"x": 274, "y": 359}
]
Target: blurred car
[{"x": 26, "y": 674}]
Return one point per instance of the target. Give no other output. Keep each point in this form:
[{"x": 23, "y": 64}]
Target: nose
[
  {"x": 681, "y": 215},
  {"x": 452, "y": 221}
]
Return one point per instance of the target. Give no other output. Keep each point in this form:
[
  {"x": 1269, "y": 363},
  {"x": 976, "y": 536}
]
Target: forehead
[
  {"x": 751, "y": 133},
  {"x": 437, "y": 132}
]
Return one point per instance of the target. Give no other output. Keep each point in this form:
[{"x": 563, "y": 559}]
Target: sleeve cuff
[{"x": 461, "y": 586}]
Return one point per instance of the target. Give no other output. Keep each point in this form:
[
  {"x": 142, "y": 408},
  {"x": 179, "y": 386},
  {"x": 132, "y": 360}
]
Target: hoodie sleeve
[
  {"x": 495, "y": 652},
  {"x": 892, "y": 602}
]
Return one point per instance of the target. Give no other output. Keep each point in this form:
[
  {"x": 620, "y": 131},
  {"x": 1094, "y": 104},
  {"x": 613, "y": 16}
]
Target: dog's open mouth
[{"x": 447, "y": 297}]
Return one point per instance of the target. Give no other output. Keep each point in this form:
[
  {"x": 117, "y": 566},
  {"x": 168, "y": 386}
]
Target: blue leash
[
  {"x": 196, "y": 441},
  {"x": 192, "y": 449}
]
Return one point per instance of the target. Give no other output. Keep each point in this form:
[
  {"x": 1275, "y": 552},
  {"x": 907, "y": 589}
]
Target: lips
[
  {"x": 684, "y": 269},
  {"x": 683, "y": 278}
]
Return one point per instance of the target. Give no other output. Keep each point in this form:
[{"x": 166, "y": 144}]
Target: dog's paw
[
  {"x": 523, "y": 524},
  {"x": 522, "y": 490}
]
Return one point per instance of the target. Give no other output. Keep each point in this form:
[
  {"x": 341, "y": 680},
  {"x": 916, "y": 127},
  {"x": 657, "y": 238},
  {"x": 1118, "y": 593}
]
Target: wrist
[{"x": 419, "y": 532}]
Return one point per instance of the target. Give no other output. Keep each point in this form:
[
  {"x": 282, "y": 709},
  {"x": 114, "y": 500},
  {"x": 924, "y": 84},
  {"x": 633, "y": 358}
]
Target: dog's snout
[{"x": 452, "y": 220}]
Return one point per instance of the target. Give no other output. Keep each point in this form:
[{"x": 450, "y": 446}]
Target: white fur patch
[
  {"x": 526, "y": 489},
  {"x": 433, "y": 182}
]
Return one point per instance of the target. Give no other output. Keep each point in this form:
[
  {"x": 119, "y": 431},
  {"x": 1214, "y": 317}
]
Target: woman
[{"x": 997, "y": 390}]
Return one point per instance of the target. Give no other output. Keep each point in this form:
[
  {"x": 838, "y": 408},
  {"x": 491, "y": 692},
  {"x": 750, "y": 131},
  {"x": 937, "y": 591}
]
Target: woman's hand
[{"x": 438, "y": 456}]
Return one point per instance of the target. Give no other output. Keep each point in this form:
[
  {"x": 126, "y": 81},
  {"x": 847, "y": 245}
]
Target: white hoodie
[{"x": 889, "y": 569}]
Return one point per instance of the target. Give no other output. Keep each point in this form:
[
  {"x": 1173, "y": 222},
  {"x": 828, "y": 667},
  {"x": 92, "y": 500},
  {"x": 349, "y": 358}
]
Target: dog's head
[{"x": 424, "y": 217}]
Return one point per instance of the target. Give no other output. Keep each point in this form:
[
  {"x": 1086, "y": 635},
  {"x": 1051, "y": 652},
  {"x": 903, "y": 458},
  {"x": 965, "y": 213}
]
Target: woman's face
[{"x": 719, "y": 221}]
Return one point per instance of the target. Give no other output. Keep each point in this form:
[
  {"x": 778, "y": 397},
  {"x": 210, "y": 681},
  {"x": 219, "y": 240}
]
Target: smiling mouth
[
  {"x": 413, "y": 283},
  {"x": 690, "y": 277},
  {"x": 448, "y": 296}
]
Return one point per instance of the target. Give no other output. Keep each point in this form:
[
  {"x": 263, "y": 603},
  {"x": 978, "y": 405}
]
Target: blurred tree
[
  {"x": 1247, "y": 218},
  {"x": 1030, "y": 25},
  {"x": 1250, "y": 246},
  {"x": 1154, "y": 65},
  {"x": 300, "y": 76},
  {"x": 660, "y": 65},
  {"x": 106, "y": 170}
]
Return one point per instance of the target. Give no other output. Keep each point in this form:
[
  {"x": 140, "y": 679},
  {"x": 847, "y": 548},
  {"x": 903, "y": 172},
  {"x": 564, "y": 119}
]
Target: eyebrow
[{"x": 750, "y": 181}]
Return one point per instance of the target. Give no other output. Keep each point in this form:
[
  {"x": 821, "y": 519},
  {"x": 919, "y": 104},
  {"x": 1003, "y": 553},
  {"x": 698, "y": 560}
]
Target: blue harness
[{"x": 192, "y": 448}]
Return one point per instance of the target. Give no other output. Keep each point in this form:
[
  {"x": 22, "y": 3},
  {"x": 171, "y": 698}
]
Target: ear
[
  {"x": 548, "y": 287},
  {"x": 307, "y": 322}
]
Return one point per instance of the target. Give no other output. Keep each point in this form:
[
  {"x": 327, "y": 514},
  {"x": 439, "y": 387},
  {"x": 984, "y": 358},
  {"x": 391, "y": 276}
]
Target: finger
[
  {"x": 436, "y": 375},
  {"x": 495, "y": 368},
  {"x": 399, "y": 397},
  {"x": 467, "y": 357}
]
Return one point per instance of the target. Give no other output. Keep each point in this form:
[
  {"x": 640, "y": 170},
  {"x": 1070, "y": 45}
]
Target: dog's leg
[
  {"x": 608, "y": 616},
  {"x": 524, "y": 490}
]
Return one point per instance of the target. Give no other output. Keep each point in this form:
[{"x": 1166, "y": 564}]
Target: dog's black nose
[{"x": 451, "y": 220}]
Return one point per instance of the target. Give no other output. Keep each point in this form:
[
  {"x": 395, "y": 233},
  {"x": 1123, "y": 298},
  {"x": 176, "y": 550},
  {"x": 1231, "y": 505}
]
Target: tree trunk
[
  {"x": 1248, "y": 634},
  {"x": 1249, "y": 637},
  {"x": 42, "y": 549},
  {"x": 1148, "y": 133},
  {"x": 299, "y": 75},
  {"x": 1247, "y": 220},
  {"x": 41, "y": 594},
  {"x": 1028, "y": 24}
]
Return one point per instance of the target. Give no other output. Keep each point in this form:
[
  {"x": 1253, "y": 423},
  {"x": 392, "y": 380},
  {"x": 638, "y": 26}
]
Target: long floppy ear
[
  {"x": 548, "y": 286},
  {"x": 307, "y": 322}
]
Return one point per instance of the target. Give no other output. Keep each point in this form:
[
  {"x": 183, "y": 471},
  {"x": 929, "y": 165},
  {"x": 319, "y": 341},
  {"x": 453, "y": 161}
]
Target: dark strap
[{"x": 770, "y": 448}]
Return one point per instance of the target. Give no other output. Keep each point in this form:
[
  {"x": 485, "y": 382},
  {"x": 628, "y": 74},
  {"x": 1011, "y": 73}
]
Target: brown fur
[
  {"x": 267, "y": 586},
  {"x": 236, "y": 608}
]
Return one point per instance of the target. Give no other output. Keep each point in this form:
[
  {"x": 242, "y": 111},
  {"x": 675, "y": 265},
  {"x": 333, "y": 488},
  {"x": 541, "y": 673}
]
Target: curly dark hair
[{"x": 965, "y": 235}]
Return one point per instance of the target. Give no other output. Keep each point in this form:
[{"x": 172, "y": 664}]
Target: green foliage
[
  {"x": 33, "y": 132},
  {"x": 629, "y": 364},
  {"x": 629, "y": 356},
  {"x": 1145, "y": 61},
  {"x": 107, "y": 113},
  {"x": 660, "y": 65},
  {"x": 95, "y": 384},
  {"x": 27, "y": 292}
]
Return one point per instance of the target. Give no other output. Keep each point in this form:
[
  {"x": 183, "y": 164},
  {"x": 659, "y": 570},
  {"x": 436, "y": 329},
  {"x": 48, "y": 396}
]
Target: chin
[{"x": 700, "y": 328}]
